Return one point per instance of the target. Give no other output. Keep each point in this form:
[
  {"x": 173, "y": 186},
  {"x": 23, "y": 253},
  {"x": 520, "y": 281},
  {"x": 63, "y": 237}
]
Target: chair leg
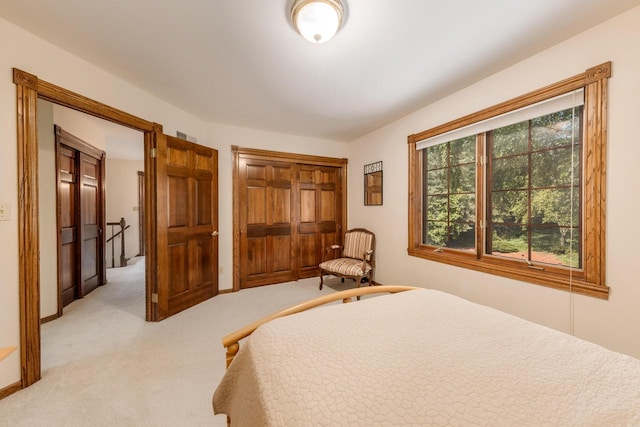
[{"x": 321, "y": 281}]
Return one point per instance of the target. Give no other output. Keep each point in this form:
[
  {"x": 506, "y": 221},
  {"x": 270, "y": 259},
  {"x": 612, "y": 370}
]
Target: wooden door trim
[
  {"x": 141, "y": 213},
  {"x": 280, "y": 156},
  {"x": 78, "y": 144},
  {"x": 276, "y": 156},
  {"x": 28, "y": 89}
]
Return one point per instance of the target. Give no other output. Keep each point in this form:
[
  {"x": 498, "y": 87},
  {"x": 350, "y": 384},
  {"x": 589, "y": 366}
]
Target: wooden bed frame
[{"x": 231, "y": 341}]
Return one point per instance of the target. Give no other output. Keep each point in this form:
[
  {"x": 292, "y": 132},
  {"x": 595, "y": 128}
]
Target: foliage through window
[
  {"x": 534, "y": 189},
  {"x": 450, "y": 194},
  {"x": 521, "y": 198}
]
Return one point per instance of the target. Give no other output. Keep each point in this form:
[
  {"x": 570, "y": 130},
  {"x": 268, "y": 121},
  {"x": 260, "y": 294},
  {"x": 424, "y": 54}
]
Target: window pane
[
  {"x": 554, "y": 245},
  {"x": 510, "y": 140},
  {"x": 463, "y": 237},
  {"x": 555, "y": 206},
  {"x": 449, "y": 194},
  {"x": 509, "y": 241},
  {"x": 509, "y": 207},
  {"x": 437, "y": 208},
  {"x": 437, "y": 181},
  {"x": 463, "y": 179},
  {"x": 552, "y": 168},
  {"x": 510, "y": 173},
  {"x": 554, "y": 130},
  {"x": 463, "y": 150},
  {"x": 463, "y": 207},
  {"x": 436, "y": 156},
  {"x": 437, "y": 232}
]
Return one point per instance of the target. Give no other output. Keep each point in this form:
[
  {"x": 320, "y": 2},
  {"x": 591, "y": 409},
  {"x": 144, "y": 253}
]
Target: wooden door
[
  {"x": 266, "y": 230},
  {"x": 80, "y": 210},
  {"x": 187, "y": 224},
  {"x": 90, "y": 224},
  {"x": 68, "y": 226},
  {"x": 318, "y": 216}
]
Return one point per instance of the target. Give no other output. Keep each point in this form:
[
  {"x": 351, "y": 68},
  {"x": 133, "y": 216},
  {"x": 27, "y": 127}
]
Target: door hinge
[
  {"x": 154, "y": 298},
  {"x": 153, "y": 153}
]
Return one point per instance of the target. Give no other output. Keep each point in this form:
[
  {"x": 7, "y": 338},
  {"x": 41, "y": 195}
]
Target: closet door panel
[{"x": 266, "y": 238}]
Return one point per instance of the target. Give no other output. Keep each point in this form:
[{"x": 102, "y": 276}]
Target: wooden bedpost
[{"x": 231, "y": 352}]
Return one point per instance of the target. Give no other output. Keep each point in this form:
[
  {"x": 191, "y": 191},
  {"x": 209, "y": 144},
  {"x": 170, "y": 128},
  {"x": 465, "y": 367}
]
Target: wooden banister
[{"x": 123, "y": 226}]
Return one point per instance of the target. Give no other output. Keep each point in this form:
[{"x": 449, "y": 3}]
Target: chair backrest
[{"x": 357, "y": 242}]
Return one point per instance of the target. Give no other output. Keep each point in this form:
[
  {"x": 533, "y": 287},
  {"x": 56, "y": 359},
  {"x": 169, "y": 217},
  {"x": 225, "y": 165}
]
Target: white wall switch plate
[{"x": 5, "y": 212}]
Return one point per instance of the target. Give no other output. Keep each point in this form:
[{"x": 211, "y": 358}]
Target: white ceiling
[{"x": 239, "y": 62}]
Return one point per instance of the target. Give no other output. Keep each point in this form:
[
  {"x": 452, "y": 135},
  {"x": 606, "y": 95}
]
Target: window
[{"x": 517, "y": 189}]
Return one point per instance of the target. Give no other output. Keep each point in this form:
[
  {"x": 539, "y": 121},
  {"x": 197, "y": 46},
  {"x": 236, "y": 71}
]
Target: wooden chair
[{"x": 356, "y": 260}]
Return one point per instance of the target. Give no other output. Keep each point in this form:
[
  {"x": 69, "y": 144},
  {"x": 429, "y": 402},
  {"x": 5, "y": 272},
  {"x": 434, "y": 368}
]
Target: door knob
[{"x": 215, "y": 233}]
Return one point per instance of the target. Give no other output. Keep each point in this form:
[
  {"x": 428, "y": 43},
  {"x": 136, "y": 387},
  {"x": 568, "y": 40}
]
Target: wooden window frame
[{"x": 590, "y": 280}]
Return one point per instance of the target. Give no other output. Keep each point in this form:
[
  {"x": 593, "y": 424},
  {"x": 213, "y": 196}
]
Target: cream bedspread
[{"x": 424, "y": 358}]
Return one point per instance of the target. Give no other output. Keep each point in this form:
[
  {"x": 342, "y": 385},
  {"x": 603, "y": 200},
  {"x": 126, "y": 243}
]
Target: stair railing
[{"x": 123, "y": 226}]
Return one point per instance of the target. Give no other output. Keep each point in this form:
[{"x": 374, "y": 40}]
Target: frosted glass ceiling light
[{"x": 317, "y": 20}]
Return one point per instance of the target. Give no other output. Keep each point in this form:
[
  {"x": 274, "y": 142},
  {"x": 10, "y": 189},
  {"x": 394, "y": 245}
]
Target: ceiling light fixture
[{"x": 317, "y": 20}]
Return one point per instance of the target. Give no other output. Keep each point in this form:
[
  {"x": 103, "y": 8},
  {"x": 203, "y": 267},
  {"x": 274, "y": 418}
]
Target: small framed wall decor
[{"x": 373, "y": 184}]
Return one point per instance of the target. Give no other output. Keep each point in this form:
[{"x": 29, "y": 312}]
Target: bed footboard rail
[{"x": 231, "y": 341}]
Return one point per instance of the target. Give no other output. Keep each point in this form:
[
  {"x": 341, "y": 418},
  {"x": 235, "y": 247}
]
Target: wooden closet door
[
  {"x": 90, "y": 224},
  {"x": 319, "y": 215},
  {"x": 266, "y": 229}
]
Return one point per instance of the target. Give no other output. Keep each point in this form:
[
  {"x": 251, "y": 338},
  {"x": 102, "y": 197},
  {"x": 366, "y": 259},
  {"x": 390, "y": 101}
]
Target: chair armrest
[{"x": 330, "y": 249}]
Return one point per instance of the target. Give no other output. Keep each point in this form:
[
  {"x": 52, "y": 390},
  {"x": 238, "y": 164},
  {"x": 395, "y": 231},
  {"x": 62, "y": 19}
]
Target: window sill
[{"x": 522, "y": 273}]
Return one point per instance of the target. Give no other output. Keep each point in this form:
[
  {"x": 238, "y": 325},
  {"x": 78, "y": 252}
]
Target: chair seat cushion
[{"x": 345, "y": 267}]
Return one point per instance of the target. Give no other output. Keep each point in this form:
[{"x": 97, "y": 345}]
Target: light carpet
[{"x": 103, "y": 365}]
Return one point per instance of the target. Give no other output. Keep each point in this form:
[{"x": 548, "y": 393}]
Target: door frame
[
  {"x": 28, "y": 89},
  {"x": 279, "y": 156}
]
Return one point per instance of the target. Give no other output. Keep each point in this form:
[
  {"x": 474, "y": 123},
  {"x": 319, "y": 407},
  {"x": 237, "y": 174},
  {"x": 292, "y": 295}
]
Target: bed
[{"x": 419, "y": 357}]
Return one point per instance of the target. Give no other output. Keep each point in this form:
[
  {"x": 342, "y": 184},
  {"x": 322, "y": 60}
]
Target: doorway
[{"x": 29, "y": 89}]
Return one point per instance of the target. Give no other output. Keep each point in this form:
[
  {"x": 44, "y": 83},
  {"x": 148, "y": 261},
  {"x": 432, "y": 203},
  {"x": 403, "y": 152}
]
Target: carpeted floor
[{"x": 103, "y": 365}]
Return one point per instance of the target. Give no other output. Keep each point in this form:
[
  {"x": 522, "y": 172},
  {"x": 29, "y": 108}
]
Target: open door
[{"x": 186, "y": 225}]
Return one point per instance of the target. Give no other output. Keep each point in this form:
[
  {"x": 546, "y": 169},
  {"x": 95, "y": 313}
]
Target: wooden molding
[
  {"x": 10, "y": 389},
  {"x": 599, "y": 72},
  {"x": 49, "y": 318},
  {"x": 28, "y": 232},
  {"x": 25, "y": 79},
  {"x": 253, "y": 153},
  {"x": 78, "y": 144}
]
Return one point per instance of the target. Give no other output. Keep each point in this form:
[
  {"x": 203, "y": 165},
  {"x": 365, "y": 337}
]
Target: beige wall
[
  {"x": 25, "y": 51},
  {"x": 47, "y": 206},
  {"x": 122, "y": 202},
  {"x": 614, "y": 323}
]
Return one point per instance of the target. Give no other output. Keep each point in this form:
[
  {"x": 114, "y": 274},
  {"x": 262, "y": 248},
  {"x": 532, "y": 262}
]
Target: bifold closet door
[
  {"x": 318, "y": 216},
  {"x": 266, "y": 229}
]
